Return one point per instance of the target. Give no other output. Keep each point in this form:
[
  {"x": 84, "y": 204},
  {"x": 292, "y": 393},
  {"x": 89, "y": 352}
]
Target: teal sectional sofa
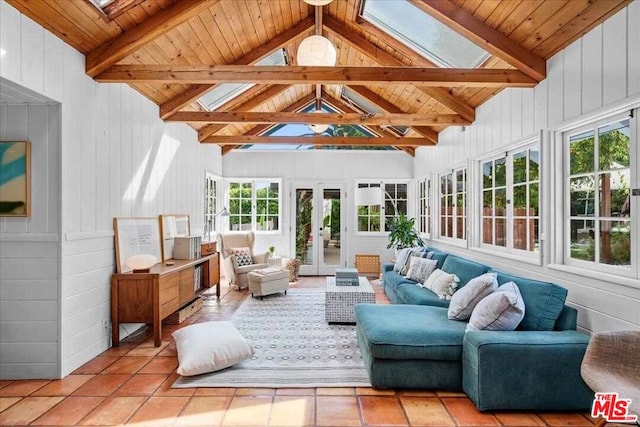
[{"x": 412, "y": 344}]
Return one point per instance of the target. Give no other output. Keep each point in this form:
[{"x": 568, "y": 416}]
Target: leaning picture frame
[
  {"x": 136, "y": 236},
  {"x": 172, "y": 225},
  {"x": 15, "y": 178}
]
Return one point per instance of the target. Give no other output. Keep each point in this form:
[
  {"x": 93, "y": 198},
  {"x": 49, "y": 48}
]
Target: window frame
[
  {"x": 437, "y": 224},
  {"x": 254, "y": 198},
  {"x": 565, "y": 258},
  {"x": 211, "y": 219},
  {"x": 424, "y": 197},
  {"x": 383, "y": 231},
  {"x": 509, "y": 249}
]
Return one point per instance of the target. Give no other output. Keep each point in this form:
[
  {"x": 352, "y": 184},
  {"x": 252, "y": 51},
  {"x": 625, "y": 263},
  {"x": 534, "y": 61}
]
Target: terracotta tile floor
[{"x": 131, "y": 385}]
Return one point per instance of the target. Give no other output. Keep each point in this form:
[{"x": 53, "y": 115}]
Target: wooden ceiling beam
[
  {"x": 125, "y": 44},
  {"x": 194, "y": 92},
  {"x": 486, "y": 37},
  {"x": 382, "y": 57},
  {"x": 380, "y": 119},
  {"x": 389, "y": 107},
  {"x": 254, "y": 99},
  {"x": 317, "y": 140},
  {"x": 209, "y": 74}
]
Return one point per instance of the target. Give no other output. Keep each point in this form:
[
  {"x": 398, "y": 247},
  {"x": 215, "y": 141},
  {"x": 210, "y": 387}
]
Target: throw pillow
[
  {"x": 502, "y": 310},
  {"x": 420, "y": 269},
  {"x": 466, "y": 298},
  {"x": 209, "y": 346},
  {"x": 441, "y": 283},
  {"x": 401, "y": 258},
  {"x": 412, "y": 252},
  {"x": 243, "y": 256}
]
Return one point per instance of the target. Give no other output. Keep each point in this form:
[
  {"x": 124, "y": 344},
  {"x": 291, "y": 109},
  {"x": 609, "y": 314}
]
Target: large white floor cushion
[{"x": 209, "y": 346}]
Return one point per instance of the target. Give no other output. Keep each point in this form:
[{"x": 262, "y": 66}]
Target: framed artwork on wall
[{"x": 15, "y": 178}]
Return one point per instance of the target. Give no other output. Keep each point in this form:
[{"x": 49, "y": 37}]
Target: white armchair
[{"x": 233, "y": 270}]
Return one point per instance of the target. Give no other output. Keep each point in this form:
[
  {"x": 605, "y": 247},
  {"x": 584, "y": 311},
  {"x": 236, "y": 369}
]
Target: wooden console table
[{"x": 151, "y": 297}]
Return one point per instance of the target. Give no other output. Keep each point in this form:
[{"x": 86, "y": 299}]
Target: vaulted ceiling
[{"x": 175, "y": 51}]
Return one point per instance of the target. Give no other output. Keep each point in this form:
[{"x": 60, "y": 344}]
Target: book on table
[{"x": 347, "y": 277}]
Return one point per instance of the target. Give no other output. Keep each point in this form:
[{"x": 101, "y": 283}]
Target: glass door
[{"x": 318, "y": 218}]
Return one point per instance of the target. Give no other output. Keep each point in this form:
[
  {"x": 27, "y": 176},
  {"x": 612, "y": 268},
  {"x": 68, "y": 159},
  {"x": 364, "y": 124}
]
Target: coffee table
[{"x": 340, "y": 301}]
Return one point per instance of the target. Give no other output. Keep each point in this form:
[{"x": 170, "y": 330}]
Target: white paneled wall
[
  {"x": 596, "y": 72},
  {"x": 117, "y": 158},
  {"x": 30, "y": 249},
  {"x": 321, "y": 166}
]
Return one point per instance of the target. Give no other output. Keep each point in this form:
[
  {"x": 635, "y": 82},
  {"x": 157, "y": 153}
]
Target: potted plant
[
  {"x": 403, "y": 234},
  {"x": 272, "y": 249}
]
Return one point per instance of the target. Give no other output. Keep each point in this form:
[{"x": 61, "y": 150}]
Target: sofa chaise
[{"x": 412, "y": 344}]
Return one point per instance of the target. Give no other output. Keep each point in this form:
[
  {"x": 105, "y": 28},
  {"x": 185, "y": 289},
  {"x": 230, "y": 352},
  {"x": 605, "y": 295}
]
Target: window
[
  {"x": 225, "y": 92},
  {"x": 598, "y": 209},
  {"x": 254, "y": 205},
  {"x": 424, "y": 213},
  {"x": 390, "y": 201},
  {"x": 210, "y": 203},
  {"x": 510, "y": 200},
  {"x": 453, "y": 201},
  {"x": 424, "y": 34}
]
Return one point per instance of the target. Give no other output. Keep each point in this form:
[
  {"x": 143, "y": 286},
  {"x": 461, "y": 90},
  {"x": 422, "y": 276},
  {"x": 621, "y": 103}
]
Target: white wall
[
  {"x": 320, "y": 166},
  {"x": 117, "y": 159},
  {"x": 596, "y": 72},
  {"x": 29, "y": 247}
]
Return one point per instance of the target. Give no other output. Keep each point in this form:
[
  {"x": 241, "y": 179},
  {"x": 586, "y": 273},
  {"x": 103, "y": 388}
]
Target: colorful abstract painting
[{"x": 15, "y": 170}]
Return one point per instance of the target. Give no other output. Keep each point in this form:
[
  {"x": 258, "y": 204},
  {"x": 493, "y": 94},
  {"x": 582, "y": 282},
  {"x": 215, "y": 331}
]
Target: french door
[{"x": 318, "y": 220}]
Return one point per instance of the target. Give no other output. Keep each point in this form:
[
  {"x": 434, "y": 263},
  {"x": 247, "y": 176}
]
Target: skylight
[
  {"x": 224, "y": 92},
  {"x": 425, "y": 34},
  {"x": 299, "y": 129},
  {"x": 364, "y": 105}
]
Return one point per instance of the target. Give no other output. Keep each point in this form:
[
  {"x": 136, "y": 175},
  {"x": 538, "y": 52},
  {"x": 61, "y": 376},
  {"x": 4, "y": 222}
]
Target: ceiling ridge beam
[
  {"x": 356, "y": 118},
  {"x": 382, "y": 57},
  {"x": 486, "y": 37},
  {"x": 251, "y": 103},
  {"x": 208, "y": 74},
  {"x": 389, "y": 107},
  {"x": 318, "y": 140},
  {"x": 194, "y": 92},
  {"x": 125, "y": 44}
]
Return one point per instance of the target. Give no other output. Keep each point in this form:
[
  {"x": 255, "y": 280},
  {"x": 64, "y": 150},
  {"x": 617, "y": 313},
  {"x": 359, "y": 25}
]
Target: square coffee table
[{"x": 340, "y": 301}]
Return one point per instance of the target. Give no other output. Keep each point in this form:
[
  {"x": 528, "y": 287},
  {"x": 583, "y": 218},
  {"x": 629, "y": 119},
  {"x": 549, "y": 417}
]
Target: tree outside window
[
  {"x": 254, "y": 205},
  {"x": 598, "y": 182}
]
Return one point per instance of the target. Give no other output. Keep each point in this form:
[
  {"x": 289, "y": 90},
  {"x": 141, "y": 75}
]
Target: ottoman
[{"x": 267, "y": 281}]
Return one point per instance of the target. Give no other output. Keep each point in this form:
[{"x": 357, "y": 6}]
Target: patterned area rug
[{"x": 294, "y": 347}]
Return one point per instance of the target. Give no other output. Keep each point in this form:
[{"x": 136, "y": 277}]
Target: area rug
[{"x": 294, "y": 347}]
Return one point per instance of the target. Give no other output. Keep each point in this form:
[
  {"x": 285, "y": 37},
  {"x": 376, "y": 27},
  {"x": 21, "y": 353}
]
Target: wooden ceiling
[{"x": 174, "y": 51}]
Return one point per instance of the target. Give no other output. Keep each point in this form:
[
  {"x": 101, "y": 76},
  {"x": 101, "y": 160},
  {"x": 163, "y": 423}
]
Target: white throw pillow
[
  {"x": 442, "y": 284},
  {"x": 209, "y": 346},
  {"x": 502, "y": 310},
  {"x": 420, "y": 269},
  {"x": 466, "y": 298}
]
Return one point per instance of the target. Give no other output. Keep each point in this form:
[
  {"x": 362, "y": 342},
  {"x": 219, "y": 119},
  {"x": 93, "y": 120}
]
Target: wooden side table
[
  {"x": 368, "y": 265},
  {"x": 151, "y": 297}
]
